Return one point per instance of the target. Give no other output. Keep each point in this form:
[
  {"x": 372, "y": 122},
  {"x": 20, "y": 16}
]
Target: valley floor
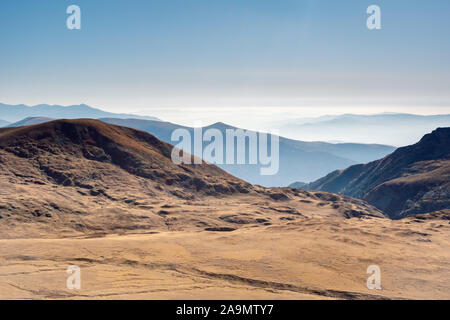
[{"x": 317, "y": 258}]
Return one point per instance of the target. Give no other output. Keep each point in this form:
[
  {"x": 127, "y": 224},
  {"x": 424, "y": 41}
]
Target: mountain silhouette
[{"x": 299, "y": 160}]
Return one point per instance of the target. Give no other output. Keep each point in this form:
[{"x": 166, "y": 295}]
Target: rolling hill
[{"x": 88, "y": 176}]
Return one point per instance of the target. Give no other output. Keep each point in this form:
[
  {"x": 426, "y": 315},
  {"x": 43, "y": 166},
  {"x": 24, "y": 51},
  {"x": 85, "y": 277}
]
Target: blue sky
[{"x": 212, "y": 55}]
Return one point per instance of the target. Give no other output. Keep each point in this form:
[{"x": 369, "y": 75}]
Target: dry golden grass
[
  {"x": 316, "y": 255},
  {"x": 105, "y": 198}
]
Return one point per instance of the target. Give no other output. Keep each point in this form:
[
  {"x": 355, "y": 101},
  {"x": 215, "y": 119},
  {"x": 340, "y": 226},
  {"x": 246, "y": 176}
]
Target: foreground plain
[{"x": 311, "y": 257}]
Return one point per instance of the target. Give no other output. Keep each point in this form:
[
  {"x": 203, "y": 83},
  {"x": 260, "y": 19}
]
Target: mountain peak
[
  {"x": 220, "y": 125},
  {"x": 432, "y": 146}
]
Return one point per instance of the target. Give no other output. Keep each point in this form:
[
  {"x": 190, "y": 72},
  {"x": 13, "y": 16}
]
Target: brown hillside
[
  {"x": 56, "y": 147},
  {"x": 89, "y": 177},
  {"x": 412, "y": 180}
]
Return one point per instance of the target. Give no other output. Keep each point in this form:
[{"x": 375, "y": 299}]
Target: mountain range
[
  {"x": 109, "y": 200},
  {"x": 81, "y": 167},
  {"x": 13, "y": 113},
  {"x": 299, "y": 160},
  {"x": 412, "y": 180},
  {"x": 398, "y": 129}
]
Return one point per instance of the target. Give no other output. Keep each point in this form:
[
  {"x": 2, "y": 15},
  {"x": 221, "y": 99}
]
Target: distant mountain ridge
[
  {"x": 299, "y": 160},
  {"x": 29, "y": 121},
  {"x": 398, "y": 129},
  {"x": 3, "y": 123},
  {"x": 413, "y": 179},
  {"x": 14, "y": 113}
]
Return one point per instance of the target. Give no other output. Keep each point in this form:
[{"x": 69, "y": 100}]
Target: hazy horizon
[
  {"x": 347, "y": 127},
  {"x": 255, "y": 64},
  {"x": 200, "y": 116},
  {"x": 158, "y": 56}
]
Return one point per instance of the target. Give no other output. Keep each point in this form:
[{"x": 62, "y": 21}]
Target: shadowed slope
[
  {"x": 413, "y": 179},
  {"x": 299, "y": 160}
]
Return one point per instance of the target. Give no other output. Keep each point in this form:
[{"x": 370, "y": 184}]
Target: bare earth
[{"x": 311, "y": 254}]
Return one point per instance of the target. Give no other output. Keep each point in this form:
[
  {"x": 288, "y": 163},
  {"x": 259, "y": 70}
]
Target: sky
[{"x": 195, "y": 60}]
